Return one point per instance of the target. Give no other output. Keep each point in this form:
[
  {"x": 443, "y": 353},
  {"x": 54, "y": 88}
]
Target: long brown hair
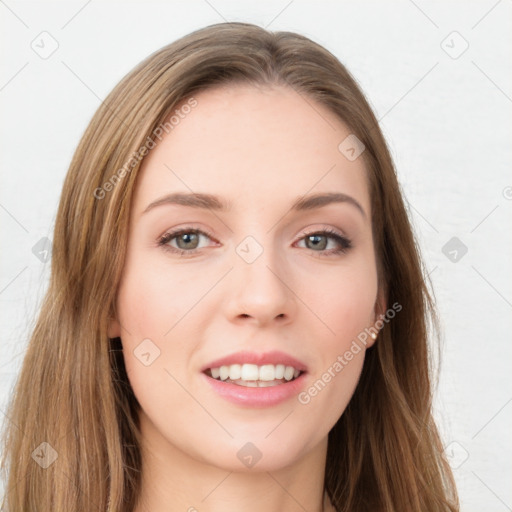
[{"x": 73, "y": 399}]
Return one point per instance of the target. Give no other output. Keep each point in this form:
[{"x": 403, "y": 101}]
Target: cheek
[
  {"x": 345, "y": 304},
  {"x": 345, "y": 307},
  {"x": 154, "y": 355},
  {"x": 152, "y": 299},
  {"x": 148, "y": 307}
]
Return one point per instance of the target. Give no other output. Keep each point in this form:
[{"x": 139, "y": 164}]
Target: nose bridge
[{"x": 260, "y": 279}]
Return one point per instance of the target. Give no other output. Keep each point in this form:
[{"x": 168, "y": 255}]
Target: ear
[
  {"x": 379, "y": 312},
  {"x": 380, "y": 304},
  {"x": 114, "y": 328}
]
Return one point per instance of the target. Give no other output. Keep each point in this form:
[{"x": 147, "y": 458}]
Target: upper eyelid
[
  {"x": 303, "y": 232},
  {"x": 326, "y": 231}
]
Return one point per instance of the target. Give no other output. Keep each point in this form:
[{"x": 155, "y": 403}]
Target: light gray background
[{"x": 447, "y": 120}]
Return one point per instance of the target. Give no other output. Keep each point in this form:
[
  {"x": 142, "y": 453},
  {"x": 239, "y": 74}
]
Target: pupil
[
  {"x": 187, "y": 238},
  {"x": 316, "y": 237}
]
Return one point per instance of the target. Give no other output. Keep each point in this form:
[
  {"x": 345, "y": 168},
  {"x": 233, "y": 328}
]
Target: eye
[
  {"x": 187, "y": 241},
  {"x": 319, "y": 240}
]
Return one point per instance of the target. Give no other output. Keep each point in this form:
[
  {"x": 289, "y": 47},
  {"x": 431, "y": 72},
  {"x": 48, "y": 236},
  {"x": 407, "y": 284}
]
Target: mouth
[{"x": 254, "y": 376}]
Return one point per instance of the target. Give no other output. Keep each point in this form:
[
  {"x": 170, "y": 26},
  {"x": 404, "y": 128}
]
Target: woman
[{"x": 237, "y": 315}]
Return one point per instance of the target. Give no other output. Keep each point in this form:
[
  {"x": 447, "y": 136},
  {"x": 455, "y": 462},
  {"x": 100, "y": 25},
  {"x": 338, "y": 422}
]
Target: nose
[{"x": 262, "y": 291}]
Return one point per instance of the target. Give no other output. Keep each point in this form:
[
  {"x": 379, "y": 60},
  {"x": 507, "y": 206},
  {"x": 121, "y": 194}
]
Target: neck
[{"x": 173, "y": 481}]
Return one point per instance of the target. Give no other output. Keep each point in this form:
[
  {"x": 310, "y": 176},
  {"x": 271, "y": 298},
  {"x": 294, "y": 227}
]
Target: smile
[{"x": 252, "y": 375}]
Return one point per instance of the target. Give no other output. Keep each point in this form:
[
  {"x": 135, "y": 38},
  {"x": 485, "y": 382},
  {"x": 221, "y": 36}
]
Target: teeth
[
  {"x": 288, "y": 372},
  {"x": 248, "y": 383},
  {"x": 249, "y": 372},
  {"x": 265, "y": 384},
  {"x": 224, "y": 372},
  {"x": 235, "y": 371},
  {"x": 267, "y": 372},
  {"x": 252, "y": 375},
  {"x": 256, "y": 383}
]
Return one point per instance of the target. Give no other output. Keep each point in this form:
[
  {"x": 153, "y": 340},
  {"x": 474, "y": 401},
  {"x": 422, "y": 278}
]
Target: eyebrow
[{"x": 212, "y": 202}]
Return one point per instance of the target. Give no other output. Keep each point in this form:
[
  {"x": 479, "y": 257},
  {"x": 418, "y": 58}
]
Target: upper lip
[{"x": 259, "y": 358}]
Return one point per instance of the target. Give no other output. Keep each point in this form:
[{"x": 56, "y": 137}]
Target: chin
[{"x": 257, "y": 454}]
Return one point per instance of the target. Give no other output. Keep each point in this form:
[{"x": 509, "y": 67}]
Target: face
[{"x": 259, "y": 284}]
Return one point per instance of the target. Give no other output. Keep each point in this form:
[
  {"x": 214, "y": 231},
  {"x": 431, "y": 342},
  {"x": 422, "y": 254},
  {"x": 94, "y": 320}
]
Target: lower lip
[{"x": 257, "y": 397}]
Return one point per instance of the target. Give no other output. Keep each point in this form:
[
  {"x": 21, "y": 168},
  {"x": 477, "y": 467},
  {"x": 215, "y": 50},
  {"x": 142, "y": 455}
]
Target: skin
[{"x": 259, "y": 148}]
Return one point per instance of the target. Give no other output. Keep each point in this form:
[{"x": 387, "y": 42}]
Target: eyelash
[{"x": 342, "y": 241}]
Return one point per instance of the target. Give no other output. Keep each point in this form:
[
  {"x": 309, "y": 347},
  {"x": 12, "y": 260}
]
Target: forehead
[{"x": 254, "y": 146}]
